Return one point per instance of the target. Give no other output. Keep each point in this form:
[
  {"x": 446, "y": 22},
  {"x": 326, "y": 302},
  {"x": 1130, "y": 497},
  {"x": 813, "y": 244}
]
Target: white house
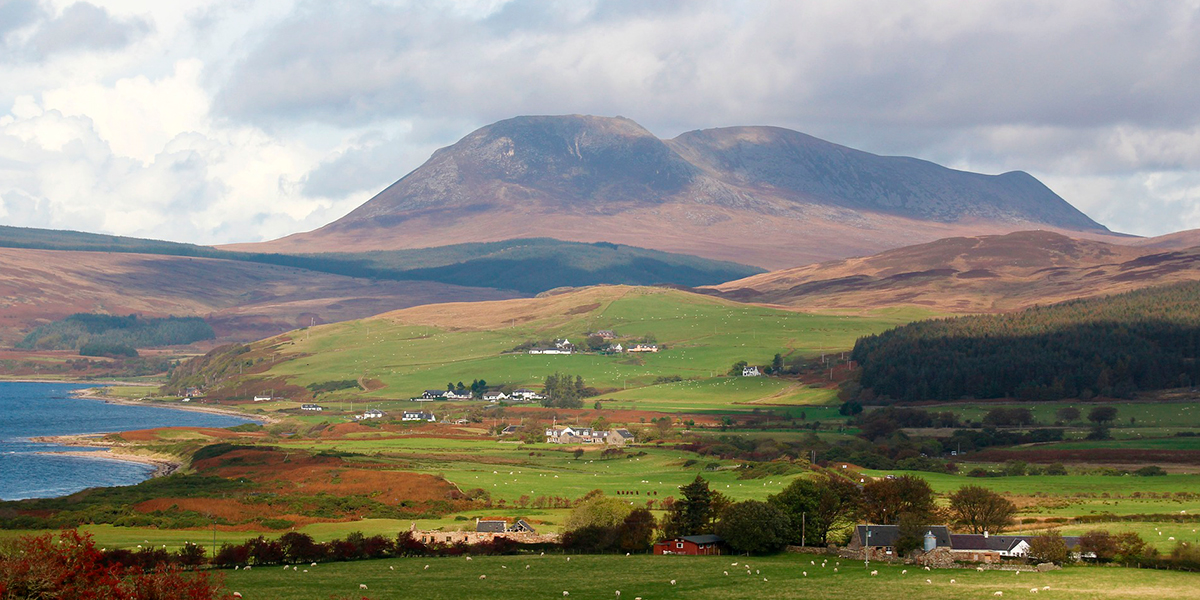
[
  {"x": 549, "y": 350},
  {"x": 456, "y": 395},
  {"x": 312, "y": 407},
  {"x": 417, "y": 415},
  {"x": 750, "y": 372},
  {"x": 525, "y": 394},
  {"x": 262, "y": 398},
  {"x": 495, "y": 396},
  {"x": 371, "y": 413},
  {"x": 643, "y": 348}
]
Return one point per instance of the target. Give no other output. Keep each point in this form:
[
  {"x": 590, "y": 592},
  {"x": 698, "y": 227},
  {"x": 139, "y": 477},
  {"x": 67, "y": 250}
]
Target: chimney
[{"x": 985, "y": 533}]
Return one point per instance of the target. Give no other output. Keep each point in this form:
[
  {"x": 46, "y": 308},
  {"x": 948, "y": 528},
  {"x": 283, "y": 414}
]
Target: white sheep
[
  {"x": 928, "y": 581},
  {"x": 503, "y": 566},
  {"x": 468, "y": 558},
  {"x": 804, "y": 573},
  {"x": 835, "y": 569},
  {"x": 1033, "y": 590},
  {"x": 1045, "y": 588},
  {"x": 926, "y": 568},
  {"x": 305, "y": 571},
  {"x": 565, "y": 592},
  {"x": 874, "y": 573},
  {"x": 313, "y": 565},
  {"x": 237, "y": 594},
  {"x": 295, "y": 568},
  {"x": 362, "y": 586},
  {"x": 980, "y": 569},
  {"x": 526, "y": 567},
  {"x": 953, "y": 581},
  {"x": 618, "y": 593},
  {"x": 672, "y": 582},
  {"x": 391, "y": 568},
  {"x": 998, "y": 594},
  {"x": 904, "y": 572},
  {"x": 483, "y": 576},
  {"x": 764, "y": 578},
  {"x": 247, "y": 567},
  {"x": 727, "y": 573}
]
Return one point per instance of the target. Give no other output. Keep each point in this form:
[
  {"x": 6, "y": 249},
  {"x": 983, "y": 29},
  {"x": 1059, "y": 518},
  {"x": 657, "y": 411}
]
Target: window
[{"x": 679, "y": 544}]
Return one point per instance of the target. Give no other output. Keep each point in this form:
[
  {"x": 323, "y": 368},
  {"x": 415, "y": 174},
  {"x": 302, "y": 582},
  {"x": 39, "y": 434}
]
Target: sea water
[{"x": 45, "y": 409}]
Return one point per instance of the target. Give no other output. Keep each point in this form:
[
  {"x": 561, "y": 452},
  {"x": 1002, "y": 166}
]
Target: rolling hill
[
  {"x": 397, "y": 355},
  {"x": 764, "y": 196},
  {"x": 971, "y": 274},
  {"x": 241, "y": 300}
]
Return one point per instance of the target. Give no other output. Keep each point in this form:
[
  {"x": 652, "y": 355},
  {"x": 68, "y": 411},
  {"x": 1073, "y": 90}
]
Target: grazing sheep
[
  {"x": 1033, "y": 590},
  {"x": 874, "y": 573},
  {"x": 998, "y": 594},
  {"x": 362, "y": 586},
  {"x": 733, "y": 564},
  {"x": 305, "y": 571},
  {"x": 618, "y": 593},
  {"x": 835, "y": 569},
  {"x": 672, "y": 582},
  {"x": 764, "y": 578},
  {"x": 295, "y": 568},
  {"x": 237, "y": 594},
  {"x": 236, "y": 567},
  {"x": 247, "y": 567},
  {"x": 928, "y": 581},
  {"x": 527, "y": 567},
  {"x": 426, "y": 568},
  {"x": 483, "y": 576},
  {"x": 1045, "y": 588},
  {"x": 926, "y": 568},
  {"x": 953, "y": 581},
  {"x": 503, "y": 566},
  {"x": 285, "y": 567},
  {"x": 313, "y": 565},
  {"x": 804, "y": 573},
  {"x": 727, "y": 573},
  {"x": 812, "y": 562},
  {"x": 468, "y": 558},
  {"x": 904, "y": 572},
  {"x": 565, "y": 592},
  {"x": 756, "y": 572},
  {"x": 391, "y": 568},
  {"x": 980, "y": 569},
  {"x": 1017, "y": 573}
]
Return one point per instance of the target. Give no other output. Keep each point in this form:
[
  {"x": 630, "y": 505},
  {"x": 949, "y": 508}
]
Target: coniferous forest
[{"x": 1111, "y": 346}]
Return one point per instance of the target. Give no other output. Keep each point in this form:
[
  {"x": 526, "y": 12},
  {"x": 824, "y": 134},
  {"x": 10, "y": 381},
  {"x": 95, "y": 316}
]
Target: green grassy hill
[
  {"x": 404, "y": 352},
  {"x": 526, "y": 265}
]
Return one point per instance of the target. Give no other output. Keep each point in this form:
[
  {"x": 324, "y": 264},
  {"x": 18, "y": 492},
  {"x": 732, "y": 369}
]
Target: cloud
[{"x": 79, "y": 27}]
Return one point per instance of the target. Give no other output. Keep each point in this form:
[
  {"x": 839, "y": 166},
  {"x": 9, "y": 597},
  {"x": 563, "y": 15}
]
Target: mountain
[
  {"x": 241, "y": 300},
  {"x": 971, "y": 274},
  {"x": 764, "y": 196},
  {"x": 1179, "y": 240}
]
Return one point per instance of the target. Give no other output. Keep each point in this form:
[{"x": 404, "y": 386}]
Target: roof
[
  {"x": 702, "y": 539},
  {"x": 886, "y": 535},
  {"x": 491, "y": 526},
  {"x": 970, "y": 541},
  {"x": 522, "y": 523},
  {"x": 435, "y": 392},
  {"x": 623, "y": 433}
]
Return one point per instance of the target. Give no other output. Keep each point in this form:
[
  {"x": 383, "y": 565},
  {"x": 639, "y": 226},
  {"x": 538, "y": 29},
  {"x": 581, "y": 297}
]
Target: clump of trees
[
  {"x": 978, "y": 509},
  {"x": 110, "y": 335},
  {"x": 1114, "y": 346},
  {"x": 562, "y": 390},
  {"x": 603, "y": 524}
]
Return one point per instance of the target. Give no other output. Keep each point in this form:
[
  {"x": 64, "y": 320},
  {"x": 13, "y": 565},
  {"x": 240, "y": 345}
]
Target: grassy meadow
[{"x": 650, "y": 577}]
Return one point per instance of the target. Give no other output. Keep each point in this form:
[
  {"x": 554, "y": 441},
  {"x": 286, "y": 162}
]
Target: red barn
[{"x": 693, "y": 545}]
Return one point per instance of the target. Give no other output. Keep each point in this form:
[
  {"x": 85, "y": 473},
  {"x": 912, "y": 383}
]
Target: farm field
[
  {"x": 650, "y": 577},
  {"x": 415, "y": 349},
  {"x": 1176, "y": 414}
]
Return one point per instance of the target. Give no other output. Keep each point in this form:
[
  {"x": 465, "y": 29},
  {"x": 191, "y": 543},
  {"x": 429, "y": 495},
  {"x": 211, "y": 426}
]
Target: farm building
[
  {"x": 643, "y": 348},
  {"x": 433, "y": 395},
  {"x": 691, "y": 545},
  {"x": 312, "y": 407},
  {"x": 751, "y": 372},
  {"x": 370, "y": 414},
  {"x": 417, "y": 415},
  {"x": 525, "y": 394},
  {"x": 495, "y": 396},
  {"x": 457, "y": 395},
  {"x": 881, "y": 539}
]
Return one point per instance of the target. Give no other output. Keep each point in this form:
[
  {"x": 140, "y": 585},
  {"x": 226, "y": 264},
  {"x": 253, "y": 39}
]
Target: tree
[
  {"x": 1067, "y": 414},
  {"x": 754, "y": 527},
  {"x": 910, "y": 532},
  {"x": 850, "y": 408},
  {"x": 695, "y": 512},
  {"x": 777, "y": 364},
  {"x": 885, "y": 500},
  {"x": 578, "y": 453},
  {"x": 1100, "y": 543},
  {"x": 637, "y": 531},
  {"x": 1049, "y": 548},
  {"x": 799, "y": 502},
  {"x": 838, "y": 505},
  {"x": 601, "y": 511},
  {"x": 1102, "y": 415},
  {"x": 979, "y": 509},
  {"x": 737, "y": 367},
  {"x": 72, "y": 567}
]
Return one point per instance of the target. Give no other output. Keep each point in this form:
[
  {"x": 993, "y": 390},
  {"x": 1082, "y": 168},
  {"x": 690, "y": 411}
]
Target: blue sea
[{"x": 41, "y": 409}]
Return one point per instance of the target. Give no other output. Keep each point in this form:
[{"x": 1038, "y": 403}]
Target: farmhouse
[
  {"x": 262, "y": 398},
  {"x": 313, "y": 407},
  {"x": 691, "y": 545},
  {"x": 508, "y": 430},
  {"x": 881, "y": 539},
  {"x": 434, "y": 395},
  {"x": 417, "y": 415},
  {"x": 457, "y": 395},
  {"x": 525, "y": 394},
  {"x": 587, "y": 435},
  {"x": 550, "y": 351},
  {"x": 370, "y": 413},
  {"x": 751, "y": 372},
  {"x": 619, "y": 437},
  {"x": 495, "y": 396},
  {"x": 643, "y": 348},
  {"x": 606, "y": 334}
]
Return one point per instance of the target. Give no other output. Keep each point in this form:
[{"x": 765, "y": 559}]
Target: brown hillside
[
  {"x": 976, "y": 274},
  {"x": 764, "y": 196},
  {"x": 243, "y": 301},
  {"x": 1179, "y": 240}
]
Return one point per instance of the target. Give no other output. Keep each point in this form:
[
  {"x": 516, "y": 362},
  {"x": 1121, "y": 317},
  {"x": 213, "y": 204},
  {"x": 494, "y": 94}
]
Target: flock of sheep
[{"x": 742, "y": 565}]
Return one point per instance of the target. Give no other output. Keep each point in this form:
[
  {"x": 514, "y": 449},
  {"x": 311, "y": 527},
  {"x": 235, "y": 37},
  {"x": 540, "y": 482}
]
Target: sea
[{"x": 45, "y": 409}]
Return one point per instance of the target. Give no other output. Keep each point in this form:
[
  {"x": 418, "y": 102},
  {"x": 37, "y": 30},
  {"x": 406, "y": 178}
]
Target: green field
[
  {"x": 650, "y": 577},
  {"x": 410, "y": 351}
]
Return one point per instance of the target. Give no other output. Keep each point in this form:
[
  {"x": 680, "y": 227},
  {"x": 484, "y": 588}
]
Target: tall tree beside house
[
  {"x": 979, "y": 509},
  {"x": 1049, "y": 547},
  {"x": 637, "y": 531},
  {"x": 910, "y": 532},
  {"x": 817, "y": 506},
  {"x": 886, "y": 500},
  {"x": 754, "y": 527},
  {"x": 694, "y": 513}
]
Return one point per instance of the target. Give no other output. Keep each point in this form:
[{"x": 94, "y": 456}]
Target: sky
[{"x": 248, "y": 120}]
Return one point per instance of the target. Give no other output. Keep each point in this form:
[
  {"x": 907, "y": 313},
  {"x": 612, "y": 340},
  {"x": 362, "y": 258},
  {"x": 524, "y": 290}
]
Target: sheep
[
  {"x": 998, "y": 594},
  {"x": 1033, "y": 590},
  {"x": 468, "y": 558},
  {"x": 980, "y": 569},
  {"x": 835, "y": 569},
  {"x": 285, "y": 567},
  {"x": 1045, "y": 588},
  {"x": 295, "y": 568},
  {"x": 503, "y": 566},
  {"x": 672, "y": 582},
  {"x": 483, "y": 576},
  {"x": 362, "y": 586},
  {"x": 237, "y": 594},
  {"x": 526, "y": 567},
  {"x": 928, "y": 581},
  {"x": 391, "y": 568},
  {"x": 904, "y": 572},
  {"x": 804, "y": 573},
  {"x": 247, "y": 567},
  {"x": 565, "y": 592},
  {"x": 727, "y": 573},
  {"x": 764, "y": 578},
  {"x": 756, "y": 572},
  {"x": 874, "y": 573},
  {"x": 926, "y": 568},
  {"x": 426, "y": 568},
  {"x": 236, "y": 567},
  {"x": 618, "y": 593},
  {"x": 953, "y": 581}
]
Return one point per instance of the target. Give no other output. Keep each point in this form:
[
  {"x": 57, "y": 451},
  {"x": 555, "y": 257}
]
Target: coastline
[
  {"x": 162, "y": 466},
  {"x": 90, "y": 394}
]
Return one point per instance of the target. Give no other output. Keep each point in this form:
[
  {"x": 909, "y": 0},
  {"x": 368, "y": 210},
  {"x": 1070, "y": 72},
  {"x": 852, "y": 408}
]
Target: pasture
[{"x": 695, "y": 577}]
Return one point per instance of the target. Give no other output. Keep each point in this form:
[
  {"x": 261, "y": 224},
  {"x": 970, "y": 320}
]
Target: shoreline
[
  {"x": 162, "y": 466},
  {"x": 90, "y": 394}
]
